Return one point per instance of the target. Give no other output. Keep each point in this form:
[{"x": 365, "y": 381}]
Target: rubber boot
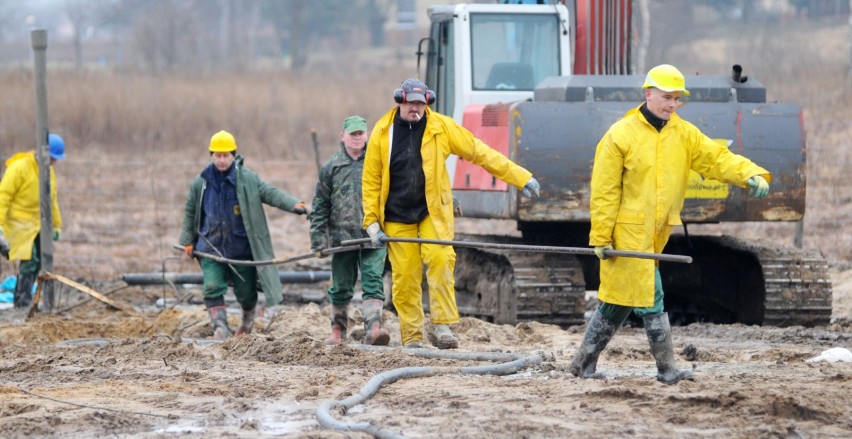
[
  {"x": 599, "y": 332},
  {"x": 443, "y": 338},
  {"x": 247, "y": 322},
  {"x": 24, "y": 290},
  {"x": 375, "y": 334},
  {"x": 339, "y": 320},
  {"x": 219, "y": 322},
  {"x": 659, "y": 333}
]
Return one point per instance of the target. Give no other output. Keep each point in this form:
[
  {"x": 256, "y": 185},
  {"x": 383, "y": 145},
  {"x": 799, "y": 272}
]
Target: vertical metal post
[
  {"x": 800, "y": 231},
  {"x": 39, "y": 40}
]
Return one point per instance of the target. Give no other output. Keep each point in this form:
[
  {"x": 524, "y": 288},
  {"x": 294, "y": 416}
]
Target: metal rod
[
  {"x": 532, "y": 248},
  {"x": 328, "y": 251},
  {"x": 157, "y": 278}
]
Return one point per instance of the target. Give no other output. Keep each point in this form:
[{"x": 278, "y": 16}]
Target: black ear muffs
[{"x": 399, "y": 96}]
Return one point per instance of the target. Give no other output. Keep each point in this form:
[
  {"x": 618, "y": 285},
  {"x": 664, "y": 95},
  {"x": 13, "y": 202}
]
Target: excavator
[{"x": 541, "y": 83}]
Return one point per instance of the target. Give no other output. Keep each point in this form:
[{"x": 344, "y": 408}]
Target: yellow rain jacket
[
  {"x": 19, "y": 204},
  {"x": 441, "y": 137},
  {"x": 639, "y": 180}
]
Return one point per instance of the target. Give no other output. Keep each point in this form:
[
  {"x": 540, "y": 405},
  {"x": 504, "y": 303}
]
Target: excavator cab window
[
  {"x": 439, "y": 66},
  {"x": 513, "y": 51}
]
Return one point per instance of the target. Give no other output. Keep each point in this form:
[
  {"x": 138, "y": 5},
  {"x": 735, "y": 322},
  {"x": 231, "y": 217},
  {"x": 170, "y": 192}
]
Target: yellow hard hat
[
  {"x": 666, "y": 78},
  {"x": 223, "y": 141}
]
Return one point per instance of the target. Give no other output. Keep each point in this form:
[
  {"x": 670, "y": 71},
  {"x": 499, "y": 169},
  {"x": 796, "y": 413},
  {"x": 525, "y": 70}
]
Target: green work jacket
[{"x": 252, "y": 193}]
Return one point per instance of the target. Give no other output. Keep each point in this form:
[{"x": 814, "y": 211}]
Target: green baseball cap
[{"x": 354, "y": 123}]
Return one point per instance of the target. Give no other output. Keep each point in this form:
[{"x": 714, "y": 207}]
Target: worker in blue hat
[{"x": 20, "y": 215}]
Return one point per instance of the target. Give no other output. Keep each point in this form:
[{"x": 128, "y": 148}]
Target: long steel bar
[
  {"x": 328, "y": 251},
  {"x": 531, "y": 248}
]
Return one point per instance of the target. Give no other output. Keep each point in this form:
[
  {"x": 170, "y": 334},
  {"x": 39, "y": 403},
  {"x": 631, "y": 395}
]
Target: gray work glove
[
  {"x": 320, "y": 253},
  {"x": 4, "y": 246},
  {"x": 376, "y": 234},
  {"x": 532, "y": 187}
]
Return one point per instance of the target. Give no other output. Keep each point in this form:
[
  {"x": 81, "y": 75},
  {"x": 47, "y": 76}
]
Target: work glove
[
  {"x": 599, "y": 251},
  {"x": 188, "y": 249},
  {"x": 759, "y": 186},
  {"x": 457, "y": 211},
  {"x": 532, "y": 187},
  {"x": 57, "y": 234},
  {"x": 320, "y": 253},
  {"x": 376, "y": 234},
  {"x": 4, "y": 246},
  {"x": 301, "y": 208}
]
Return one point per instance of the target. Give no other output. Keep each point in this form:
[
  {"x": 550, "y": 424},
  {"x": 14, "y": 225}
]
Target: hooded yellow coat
[
  {"x": 20, "y": 212},
  {"x": 639, "y": 181},
  {"x": 441, "y": 137}
]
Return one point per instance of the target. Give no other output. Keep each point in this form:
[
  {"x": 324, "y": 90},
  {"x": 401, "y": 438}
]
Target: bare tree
[{"x": 82, "y": 14}]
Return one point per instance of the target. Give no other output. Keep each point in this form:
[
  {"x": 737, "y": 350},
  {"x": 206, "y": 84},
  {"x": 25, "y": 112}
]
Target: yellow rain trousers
[
  {"x": 407, "y": 260},
  {"x": 639, "y": 181},
  {"x": 442, "y": 136},
  {"x": 20, "y": 212}
]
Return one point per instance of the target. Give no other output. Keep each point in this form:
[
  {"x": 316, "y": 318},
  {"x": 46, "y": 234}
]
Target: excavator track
[
  {"x": 510, "y": 286},
  {"x": 797, "y": 285},
  {"x": 738, "y": 281}
]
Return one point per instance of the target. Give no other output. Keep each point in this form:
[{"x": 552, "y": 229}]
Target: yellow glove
[{"x": 599, "y": 251}]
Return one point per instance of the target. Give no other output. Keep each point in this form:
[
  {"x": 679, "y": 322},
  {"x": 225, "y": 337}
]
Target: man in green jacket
[
  {"x": 224, "y": 216},
  {"x": 337, "y": 216}
]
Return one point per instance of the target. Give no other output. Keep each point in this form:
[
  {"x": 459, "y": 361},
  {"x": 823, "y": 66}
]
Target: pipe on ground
[
  {"x": 511, "y": 364},
  {"x": 287, "y": 277}
]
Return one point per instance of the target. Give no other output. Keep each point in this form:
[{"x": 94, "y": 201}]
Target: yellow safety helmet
[
  {"x": 666, "y": 78},
  {"x": 223, "y": 141}
]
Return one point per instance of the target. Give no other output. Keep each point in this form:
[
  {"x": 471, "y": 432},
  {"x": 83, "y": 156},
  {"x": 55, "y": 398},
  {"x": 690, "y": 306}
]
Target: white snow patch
[{"x": 833, "y": 355}]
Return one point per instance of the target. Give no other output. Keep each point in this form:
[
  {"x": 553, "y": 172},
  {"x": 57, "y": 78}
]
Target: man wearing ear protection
[{"x": 406, "y": 192}]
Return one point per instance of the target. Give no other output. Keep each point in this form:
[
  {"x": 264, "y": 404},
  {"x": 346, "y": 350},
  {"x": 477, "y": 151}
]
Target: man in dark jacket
[
  {"x": 224, "y": 217},
  {"x": 337, "y": 216}
]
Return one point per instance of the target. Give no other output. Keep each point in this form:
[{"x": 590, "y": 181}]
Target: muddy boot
[
  {"x": 247, "y": 323},
  {"x": 443, "y": 338},
  {"x": 376, "y": 335},
  {"x": 599, "y": 332},
  {"x": 24, "y": 290},
  {"x": 219, "y": 322},
  {"x": 659, "y": 333},
  {"x": 339, "y": 320}
]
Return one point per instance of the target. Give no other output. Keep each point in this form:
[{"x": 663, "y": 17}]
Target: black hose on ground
[{"x": 511, "y": 364}]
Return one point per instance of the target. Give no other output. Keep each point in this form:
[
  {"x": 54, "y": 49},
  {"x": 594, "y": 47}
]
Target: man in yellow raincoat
[
  {"x": 639, "y": 180},
  {"x": 406, "y": 193},
  {"x": 20, "y": 215}
]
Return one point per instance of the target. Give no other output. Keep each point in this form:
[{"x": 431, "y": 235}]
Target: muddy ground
[{"x": 94, "y": 371}]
